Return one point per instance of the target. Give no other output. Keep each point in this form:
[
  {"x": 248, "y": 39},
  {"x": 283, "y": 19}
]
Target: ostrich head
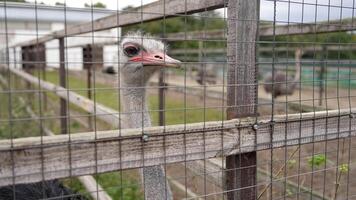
[{"x": 141, "y": 56}]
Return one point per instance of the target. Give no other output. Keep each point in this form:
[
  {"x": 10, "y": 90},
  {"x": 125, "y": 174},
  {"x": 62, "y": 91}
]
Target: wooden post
[
  {"x": 93, "y": 59},
  {"x": 89, "y": 94},
  {"x": 62, "y": 82},
  {"x": 201, "y": 71},
  {"x": 39, "y": 56},
  {"x": 41, "y": 50},
  {"x": 88, "y": 65},
  {"x": 26, "y": 59},
  {"x": 242, "y": 91},
  {"x": 15, "y": 66},
  {"x": 321, "y": 74}
]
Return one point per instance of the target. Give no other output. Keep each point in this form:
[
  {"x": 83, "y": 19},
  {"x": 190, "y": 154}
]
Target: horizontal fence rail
[
  {"x": 180, "y": 144},
  {"x": 278, "y": 30},
  {"x": 106, "y": 114},
  {"x": 148, "y": 12}
]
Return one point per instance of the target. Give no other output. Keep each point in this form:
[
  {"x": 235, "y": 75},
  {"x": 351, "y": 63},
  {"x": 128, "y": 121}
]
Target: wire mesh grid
[{"x": 178, "y": 99}]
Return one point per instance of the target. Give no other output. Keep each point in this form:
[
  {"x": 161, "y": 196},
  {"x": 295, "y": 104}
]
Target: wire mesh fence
[{"x": 178, "y": 99}]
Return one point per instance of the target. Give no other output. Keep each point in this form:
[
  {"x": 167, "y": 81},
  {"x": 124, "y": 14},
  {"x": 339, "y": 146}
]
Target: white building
[{"x": 26, "y": 21}]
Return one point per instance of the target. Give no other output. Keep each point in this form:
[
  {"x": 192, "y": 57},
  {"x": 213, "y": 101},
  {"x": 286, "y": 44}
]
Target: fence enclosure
[{"x": 230, "y": 153}]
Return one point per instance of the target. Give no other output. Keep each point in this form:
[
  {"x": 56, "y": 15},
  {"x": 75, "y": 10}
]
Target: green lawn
[
  {"x": 14, "y": 127},
  {"x": 175, "y": 114}
]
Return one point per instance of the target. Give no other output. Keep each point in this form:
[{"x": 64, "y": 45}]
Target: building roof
[{"x": 29, "y": 12}]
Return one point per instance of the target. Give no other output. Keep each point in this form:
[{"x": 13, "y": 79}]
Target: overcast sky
[{"x": 292, "y": 12}]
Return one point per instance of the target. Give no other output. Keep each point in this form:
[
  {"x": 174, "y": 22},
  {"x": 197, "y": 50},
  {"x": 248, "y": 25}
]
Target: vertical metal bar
[
  {"x": 201, "y": 71},
  {"x": 161, "y": 89},
  {"x": 43, "y": 68},
  {"x": 161, "y": 102},
  {"x": 242, "y": 93},
  {"x": 23, "y": 57},
  {"x": 25, "y": 51},
  {"x": 88, "y": 59},
  {"x": 62, "y": 82},
  {"x": 321, "y": 75},
  {"x": 16, "y": 84},
  {"x": 89, "y": 89}
]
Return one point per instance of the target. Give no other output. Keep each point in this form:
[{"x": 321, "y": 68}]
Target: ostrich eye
[{"x": 131, "y": 51}]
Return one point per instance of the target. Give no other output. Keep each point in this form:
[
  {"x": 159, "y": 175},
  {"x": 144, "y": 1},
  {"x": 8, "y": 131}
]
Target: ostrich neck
[{"x": 134, "y": 106}]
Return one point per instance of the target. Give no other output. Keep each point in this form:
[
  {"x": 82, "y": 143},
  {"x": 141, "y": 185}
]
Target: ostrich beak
[{"x": 156, "y": 59}]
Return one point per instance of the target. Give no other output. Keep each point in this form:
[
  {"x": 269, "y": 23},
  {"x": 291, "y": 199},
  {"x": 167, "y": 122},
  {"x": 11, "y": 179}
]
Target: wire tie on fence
[
  {"x": 145, "y": 137},
  {"x": 272, "y": 122},
  {"x": 352, "y": 115},
  {"x": 255, "y": 127}
]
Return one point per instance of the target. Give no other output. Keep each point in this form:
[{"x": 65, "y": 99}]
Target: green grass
[
  {"x": 128, "y": 190},
  {"x": 16, "y": 128},
  {"x": 115, "y": 184},
  {"x": 174, "y": 114}
]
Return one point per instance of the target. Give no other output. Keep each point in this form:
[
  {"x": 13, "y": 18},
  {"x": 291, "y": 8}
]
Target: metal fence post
[
  {"x": 161, "y": 100},
  {"x": 16, "y": 84},
  {"x": 161, "y": 94},
  {"x": 321, "y": 74},
  {"x": 41, "y": 51},
  {"x": 88, "y": 65},
  {"x": 62, "y": 82},
  {"x": 243, "y": 19},
  {"x": 26, "y": 66}
]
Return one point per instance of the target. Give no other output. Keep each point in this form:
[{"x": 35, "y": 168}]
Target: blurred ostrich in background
[{"x": 281, "y": 84}]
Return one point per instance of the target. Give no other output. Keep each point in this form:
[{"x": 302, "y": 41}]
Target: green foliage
[
  {"x": 76, "y": 186},
  {"x": 205, "y": 21},
  {"x": 317, "y": 160},
  {"x": 16, "y": 128},
  {"x": 291, "y": 163},
  {"x": 344, "y": 168},
  {"x": 59, "y": 4},
  {"x": 75, "y": 125},
  {"x": 96, "y": 5},
  {"x": 118, "y": 187},
  {"x": 317, "y": 40},
  {"x": 113, "y": 183},
  {"x": 289, "y": 192}
]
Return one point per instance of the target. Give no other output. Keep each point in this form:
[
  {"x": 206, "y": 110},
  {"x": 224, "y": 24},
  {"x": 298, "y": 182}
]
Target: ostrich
[
  {"x": 206, "y": 76},
  {"x": 279, "y": 80},
  {"x": 140, "y": 56},
  {"x": 53, "y": 189}
]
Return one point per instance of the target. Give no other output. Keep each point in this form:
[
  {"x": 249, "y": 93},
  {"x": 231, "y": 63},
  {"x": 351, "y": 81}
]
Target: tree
[
  {"x": 205, "y": 21},
  {"x": 59, "y": 4},
  {"x": 96, "y": 5}
]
